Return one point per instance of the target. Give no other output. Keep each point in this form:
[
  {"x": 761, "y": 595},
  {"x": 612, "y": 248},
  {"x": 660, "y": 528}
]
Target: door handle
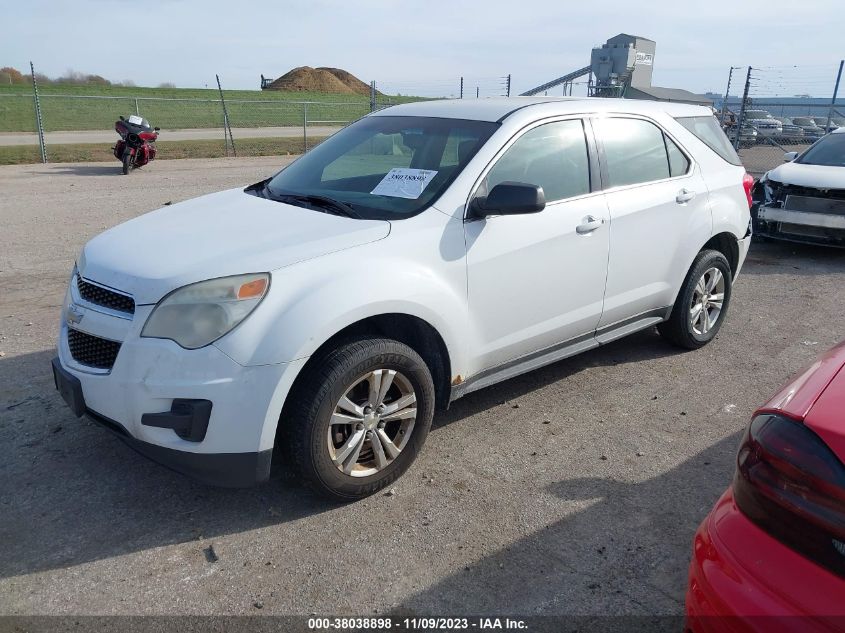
[
  {"x": 684, "y": 195},
  {"x": 588, "y": 225}
]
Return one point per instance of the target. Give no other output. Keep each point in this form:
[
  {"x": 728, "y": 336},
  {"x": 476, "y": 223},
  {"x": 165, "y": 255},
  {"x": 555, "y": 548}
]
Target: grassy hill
[{"x": 70, "y": 107}]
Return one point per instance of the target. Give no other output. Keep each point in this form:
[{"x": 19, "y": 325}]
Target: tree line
[{"x": 12, "y": 76}]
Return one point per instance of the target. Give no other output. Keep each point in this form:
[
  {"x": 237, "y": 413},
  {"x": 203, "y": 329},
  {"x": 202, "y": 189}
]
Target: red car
[{"x": 770, "y": 556}]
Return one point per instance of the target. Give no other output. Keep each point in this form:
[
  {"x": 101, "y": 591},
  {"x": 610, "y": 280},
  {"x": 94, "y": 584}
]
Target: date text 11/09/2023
[{"x": 416, "y": 624}]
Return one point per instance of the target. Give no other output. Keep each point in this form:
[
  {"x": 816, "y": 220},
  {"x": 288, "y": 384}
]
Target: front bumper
[
  {"x": 197, "y": 411},
  {"x": 742, "y": 579},
  {"x": 769, "y": 132},
  {"x": 776, "y": 222},
  {"x": 232, "y": 470}
]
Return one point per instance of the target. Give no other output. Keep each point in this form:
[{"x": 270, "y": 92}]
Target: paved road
[
  {"x": 109, "y": 136},
  {"x": 572, "y": 490}
]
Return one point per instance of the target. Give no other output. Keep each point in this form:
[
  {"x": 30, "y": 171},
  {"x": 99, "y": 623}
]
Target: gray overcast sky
[{"x": 422, "y": 48}]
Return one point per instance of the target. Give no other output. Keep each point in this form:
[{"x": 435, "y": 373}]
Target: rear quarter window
[{"x": 707, "y": 130}]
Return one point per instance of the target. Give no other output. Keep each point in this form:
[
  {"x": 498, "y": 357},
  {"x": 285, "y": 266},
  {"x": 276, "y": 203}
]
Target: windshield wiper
[
  {"x": 323, "y": 203},
  {"x": 260, "y": 188}
]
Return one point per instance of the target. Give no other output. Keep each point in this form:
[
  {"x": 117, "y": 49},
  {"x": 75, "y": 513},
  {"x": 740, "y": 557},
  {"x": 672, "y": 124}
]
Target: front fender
[{"x": 309, "y": 303}]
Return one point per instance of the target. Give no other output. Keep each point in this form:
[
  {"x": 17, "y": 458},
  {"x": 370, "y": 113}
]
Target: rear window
[{"x": 708, "y": 131}]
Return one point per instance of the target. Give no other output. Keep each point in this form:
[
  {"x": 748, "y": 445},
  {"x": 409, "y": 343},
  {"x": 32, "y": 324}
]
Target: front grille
[
  {"x": 104, "y": 297},
  {"x": 796, "y": 190},
  {"x": 92, "y": 351},
  {"x": 812, "y": 204}
]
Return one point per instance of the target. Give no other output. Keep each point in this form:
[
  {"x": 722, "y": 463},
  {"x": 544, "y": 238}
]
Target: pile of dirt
[{"x": 331, "y": 80}]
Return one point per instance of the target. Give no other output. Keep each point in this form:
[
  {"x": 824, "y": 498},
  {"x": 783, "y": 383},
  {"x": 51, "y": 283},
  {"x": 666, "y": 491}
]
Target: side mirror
[
  {"x": 790, "y": 156},
  {"x": 510, "y": 198},
  {"x": 120, "y": 116},
  {"x": 156, "y": 129}
]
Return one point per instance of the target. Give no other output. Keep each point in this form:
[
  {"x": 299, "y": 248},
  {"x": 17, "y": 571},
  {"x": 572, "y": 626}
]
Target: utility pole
[
  {"x": 835, "y": 92},
  {"x": 509, "y": 85},
  {"x": 727, "y": 94},
  {"x": 462, "y": 87},
  {"x": 741, "y": 116},
  {"x": 476, "y": 92},
  {"x": 373, "y": 96}
]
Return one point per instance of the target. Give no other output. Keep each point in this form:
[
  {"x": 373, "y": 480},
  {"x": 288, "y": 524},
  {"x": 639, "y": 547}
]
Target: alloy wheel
[
  {"x": 707, "y": 300},
  {"x": 372, "y": 422}
]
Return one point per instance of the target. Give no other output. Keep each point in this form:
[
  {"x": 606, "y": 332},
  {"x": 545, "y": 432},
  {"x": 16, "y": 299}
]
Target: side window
[
  {"x": 553, "y": 156},
  {"x": 678, "y": 163},
  {"x": 634, "y": 150}
]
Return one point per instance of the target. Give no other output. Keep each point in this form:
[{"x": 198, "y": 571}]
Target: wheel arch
[
  {"x": 412, "y": 330},
  {"x": 725, "y": 243}
]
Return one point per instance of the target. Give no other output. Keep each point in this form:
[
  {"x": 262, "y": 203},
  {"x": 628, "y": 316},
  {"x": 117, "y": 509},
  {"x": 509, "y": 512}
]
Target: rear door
[{"x": 659, "y": 214}]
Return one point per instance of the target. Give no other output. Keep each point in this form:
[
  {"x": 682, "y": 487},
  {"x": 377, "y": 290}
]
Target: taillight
[
  {"x": 748, "y": 185},
  {"x": 792, "y": 485}
]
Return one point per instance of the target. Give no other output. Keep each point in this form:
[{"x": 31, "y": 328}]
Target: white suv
[{"x": 423, "y": 252}]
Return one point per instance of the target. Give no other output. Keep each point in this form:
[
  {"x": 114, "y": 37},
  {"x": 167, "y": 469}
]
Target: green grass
[
  {"x": 65, "y": 108},
  {"x": 21, "y": 154}
]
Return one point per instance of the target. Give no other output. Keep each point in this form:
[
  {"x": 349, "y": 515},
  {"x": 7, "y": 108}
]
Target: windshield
[
  {"x": 134, "y": 119},
  {"x": 803, "y": 121},
  {"x": 828, "y": 151},
  {"x": 384, "y": 167}
]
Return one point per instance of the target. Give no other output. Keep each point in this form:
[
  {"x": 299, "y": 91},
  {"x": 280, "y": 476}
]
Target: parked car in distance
[
  {"x": 822, "y": 122},
  {"x": 421, "y": 253},
  {"x": 747, "y": 137},
  {"x": 803, "y": 200},
  {"x": 764, "y": 123},
  {"x": 791, "y": 133},
  {"x": 812, "y": 131},
  {"x": 770, "y": 556}
]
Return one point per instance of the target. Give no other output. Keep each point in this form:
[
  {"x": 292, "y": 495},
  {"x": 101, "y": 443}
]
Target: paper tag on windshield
[
  {"x": 403, "y": 182},
  {"x": 135, "y": 120}
]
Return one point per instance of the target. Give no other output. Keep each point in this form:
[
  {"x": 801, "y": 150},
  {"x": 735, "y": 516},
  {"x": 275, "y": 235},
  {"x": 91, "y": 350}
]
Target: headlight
[
  {"x": 199, "y": 314},
  {"x": 771, "y": 191}
]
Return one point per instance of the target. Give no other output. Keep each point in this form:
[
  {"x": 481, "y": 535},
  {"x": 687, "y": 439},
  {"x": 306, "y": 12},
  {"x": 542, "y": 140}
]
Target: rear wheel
[
  {"x": 702, "y": 303},
  {"x": 359, "y": 417},
  {"x": 127, "y": 162}
]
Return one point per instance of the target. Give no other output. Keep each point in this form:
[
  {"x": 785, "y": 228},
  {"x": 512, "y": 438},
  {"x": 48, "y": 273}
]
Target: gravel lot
[{"x": 572, "y": 490}]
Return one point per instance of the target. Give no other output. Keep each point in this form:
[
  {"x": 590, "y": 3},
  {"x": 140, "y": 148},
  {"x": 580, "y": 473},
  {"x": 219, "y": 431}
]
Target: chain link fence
[
  {"x": 81, "y": 127},
  {"x": 768, "y": 112}
]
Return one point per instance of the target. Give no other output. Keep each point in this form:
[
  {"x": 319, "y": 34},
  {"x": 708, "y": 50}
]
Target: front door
[{"x": 538, "y": 280}]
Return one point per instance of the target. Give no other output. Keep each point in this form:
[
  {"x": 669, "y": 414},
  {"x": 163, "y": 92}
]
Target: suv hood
[
  {"x": 225, "y": 233},
  {"x": 817, "y": 176}
]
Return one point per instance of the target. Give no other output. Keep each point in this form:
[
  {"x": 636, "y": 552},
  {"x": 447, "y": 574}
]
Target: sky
[{"x": 425, "y": 47}]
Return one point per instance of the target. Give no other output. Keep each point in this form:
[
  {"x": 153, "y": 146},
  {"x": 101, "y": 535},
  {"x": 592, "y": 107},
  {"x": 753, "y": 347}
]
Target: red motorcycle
[{"x": 136, "y": 146}]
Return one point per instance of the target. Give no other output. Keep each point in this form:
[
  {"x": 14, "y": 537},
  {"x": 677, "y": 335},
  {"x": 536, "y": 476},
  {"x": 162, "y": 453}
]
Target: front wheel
[
  {"x": 127, "y": 162},
  {"x": 359, "y": 417},
  {"x": 702, "y": 303}
]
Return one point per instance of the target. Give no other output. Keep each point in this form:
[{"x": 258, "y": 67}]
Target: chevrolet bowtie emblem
[{"x": 74, "y": 315}]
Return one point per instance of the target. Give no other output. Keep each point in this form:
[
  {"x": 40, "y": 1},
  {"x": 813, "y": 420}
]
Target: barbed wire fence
[{"x": 769, "y": 111}]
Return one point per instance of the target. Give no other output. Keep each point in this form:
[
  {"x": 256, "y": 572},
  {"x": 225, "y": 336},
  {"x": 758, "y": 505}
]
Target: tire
[
  {"x": 318, "y": 449},
  {"x": 685, "y": 329},
  {"x": 127, "y": 162}
]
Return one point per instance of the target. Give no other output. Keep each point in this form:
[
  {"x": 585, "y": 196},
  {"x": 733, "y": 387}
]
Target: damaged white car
[{"x": 803, "y": 200}]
